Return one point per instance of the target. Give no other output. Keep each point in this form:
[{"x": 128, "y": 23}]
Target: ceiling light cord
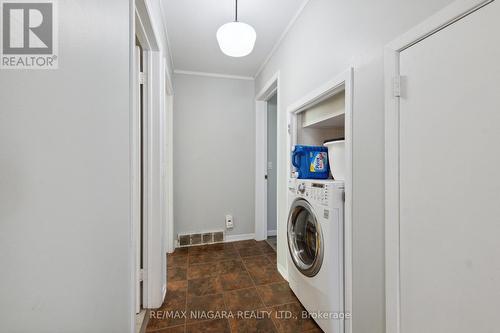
[{"x": 236, "y": 12}]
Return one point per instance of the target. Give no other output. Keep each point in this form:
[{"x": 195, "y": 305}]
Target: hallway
[
  {"x": 249, "y": 166},
  {"x": 209, "y": 285}
]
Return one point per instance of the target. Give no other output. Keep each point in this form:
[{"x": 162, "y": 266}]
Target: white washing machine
[{"x": 315, "y": 235}]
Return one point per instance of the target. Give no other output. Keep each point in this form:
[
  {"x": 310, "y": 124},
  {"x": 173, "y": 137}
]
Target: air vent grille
[
  {"x": 184, "y": 240},
  {"x": 218, "y": 237},
  {"x": 200, "y": 238},
  {"x": 208, "y": 238}
]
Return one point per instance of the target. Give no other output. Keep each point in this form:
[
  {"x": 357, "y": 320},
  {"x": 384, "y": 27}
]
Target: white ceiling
[{"x": 192, "y": 24}]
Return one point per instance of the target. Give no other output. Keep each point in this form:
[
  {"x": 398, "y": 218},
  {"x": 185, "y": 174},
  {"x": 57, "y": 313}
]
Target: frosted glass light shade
[{"x": 236, "y": 39}]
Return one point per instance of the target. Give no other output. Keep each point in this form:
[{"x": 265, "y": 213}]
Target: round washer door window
[{"x": 305, "y": 239}]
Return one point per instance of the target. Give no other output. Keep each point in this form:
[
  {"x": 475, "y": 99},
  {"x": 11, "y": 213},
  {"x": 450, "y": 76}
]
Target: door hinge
[
  {"x": 289, "y": 129},
  {"x": 142, "y": 78},
  {"x": 343, "y": 196},
  {"x": 396, "y": 84},
  {"x": 140, "y": 275}
]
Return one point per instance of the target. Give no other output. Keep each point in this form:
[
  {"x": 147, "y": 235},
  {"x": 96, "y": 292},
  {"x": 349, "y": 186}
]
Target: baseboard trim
[
  {"x": 282, "y": 270},
  {"x": 235, "y": 238},
  {"x": 272, "y": 233},
  {"x": 145, "y": 321}
]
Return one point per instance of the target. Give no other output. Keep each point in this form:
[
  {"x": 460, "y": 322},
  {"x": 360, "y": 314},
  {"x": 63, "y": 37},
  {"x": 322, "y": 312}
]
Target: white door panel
[{"x": 449, "y": 184}]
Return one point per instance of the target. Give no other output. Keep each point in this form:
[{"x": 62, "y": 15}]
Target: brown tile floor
[{"x": 232, "y": 287}]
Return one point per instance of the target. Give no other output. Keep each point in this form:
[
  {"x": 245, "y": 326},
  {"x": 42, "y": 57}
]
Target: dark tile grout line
[
  {"x": 251, "y": 279},
  {"x": 258, "y": 295},
  {"x": 269, "y": 307},
  {"x": 224, "y": 299},
  {"x": 187, "y": 292},
  {"x": 255, "y": 286},
  {"x": 187, "y": 289},
  {"x": 226, "y": 308}
]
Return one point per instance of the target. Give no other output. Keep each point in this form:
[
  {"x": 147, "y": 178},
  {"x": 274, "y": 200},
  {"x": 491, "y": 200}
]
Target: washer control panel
[{"x": 314, "y": 191}]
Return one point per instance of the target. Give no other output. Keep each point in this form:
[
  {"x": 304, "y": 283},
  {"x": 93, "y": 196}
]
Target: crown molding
[
  {"x": 169, "y": 49},
  {"x": 216, "y": 75},
  {"x": 282, "y": 37}
]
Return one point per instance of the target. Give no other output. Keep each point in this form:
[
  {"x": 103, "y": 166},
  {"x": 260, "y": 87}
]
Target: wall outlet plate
[{"x": 229, "y": 222}]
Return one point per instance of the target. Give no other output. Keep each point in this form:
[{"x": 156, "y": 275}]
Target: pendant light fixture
[{"x": 236, "y": 39}]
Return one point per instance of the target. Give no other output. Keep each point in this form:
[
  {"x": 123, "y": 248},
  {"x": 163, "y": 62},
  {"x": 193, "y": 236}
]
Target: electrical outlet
[{"x": 229, "y": 222}]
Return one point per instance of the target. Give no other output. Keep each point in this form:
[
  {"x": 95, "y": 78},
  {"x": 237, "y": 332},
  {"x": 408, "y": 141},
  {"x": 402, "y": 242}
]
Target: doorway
[
  {"x": 266, "y": 160},
  {"x": 272, "y": 175}
]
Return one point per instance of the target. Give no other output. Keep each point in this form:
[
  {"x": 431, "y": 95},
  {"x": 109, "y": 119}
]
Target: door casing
[
  {"x": 270, "y": 89},
  {"x": 157, "y": 161},
  {"x": 342, "y": 82}
]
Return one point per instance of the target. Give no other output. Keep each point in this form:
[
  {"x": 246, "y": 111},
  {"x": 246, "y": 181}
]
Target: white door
[{"x": 449, "y": 178}]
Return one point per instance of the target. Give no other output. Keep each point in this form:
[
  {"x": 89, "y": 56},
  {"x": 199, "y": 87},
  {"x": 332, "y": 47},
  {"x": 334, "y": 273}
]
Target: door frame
[
  {"x": 149, "y": 45},
  {"x": 136, "y": 182},
  {"x": 435, "y": 23},
  {"x": 157, "y": 161},
  {"x": 168, "y": 159},
  {"x": 343, "y": 81},
  {"x": 269, "y": 90}
]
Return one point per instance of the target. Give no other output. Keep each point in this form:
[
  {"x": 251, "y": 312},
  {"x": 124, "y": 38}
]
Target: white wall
[
  {"x": 65, "y": 231},
  {"x": 214, "y": 148},
  {"x": 329, "y": 36}
]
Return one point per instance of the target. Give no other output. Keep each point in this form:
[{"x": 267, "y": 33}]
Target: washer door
[{"x": 305, "y": 239}]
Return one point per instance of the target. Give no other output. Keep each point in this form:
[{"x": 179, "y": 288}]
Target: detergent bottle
[{"x": 311, "y": 162}]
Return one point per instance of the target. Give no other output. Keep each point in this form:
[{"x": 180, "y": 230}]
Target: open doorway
[
  {"x": 272, "y": 175},
  {"x": 267, "y": 167}
]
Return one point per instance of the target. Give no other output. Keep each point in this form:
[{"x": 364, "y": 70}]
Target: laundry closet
[
  {"x": 319, "y": 227},
  {"x": 318, "y": 121}
]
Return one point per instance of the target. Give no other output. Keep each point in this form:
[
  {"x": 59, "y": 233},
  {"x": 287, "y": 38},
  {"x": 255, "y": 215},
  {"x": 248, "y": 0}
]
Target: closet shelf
[{"x": 332, "y": 120}]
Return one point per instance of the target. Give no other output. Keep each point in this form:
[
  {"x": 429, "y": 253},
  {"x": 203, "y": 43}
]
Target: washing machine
[{"x": 315, "y": 234}]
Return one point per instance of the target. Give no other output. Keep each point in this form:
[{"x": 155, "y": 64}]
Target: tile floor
[{"x": 238, "y": 283}]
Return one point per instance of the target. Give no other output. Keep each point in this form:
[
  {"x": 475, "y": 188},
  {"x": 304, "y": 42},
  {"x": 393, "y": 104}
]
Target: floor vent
[
  {"x": 200, "y": 239},
  {"x": 218, "y": 237},
  {"x": 195, "y": 239},
  {"x": 184, "y": 240},
  {"x": 207, "y": 238}
]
